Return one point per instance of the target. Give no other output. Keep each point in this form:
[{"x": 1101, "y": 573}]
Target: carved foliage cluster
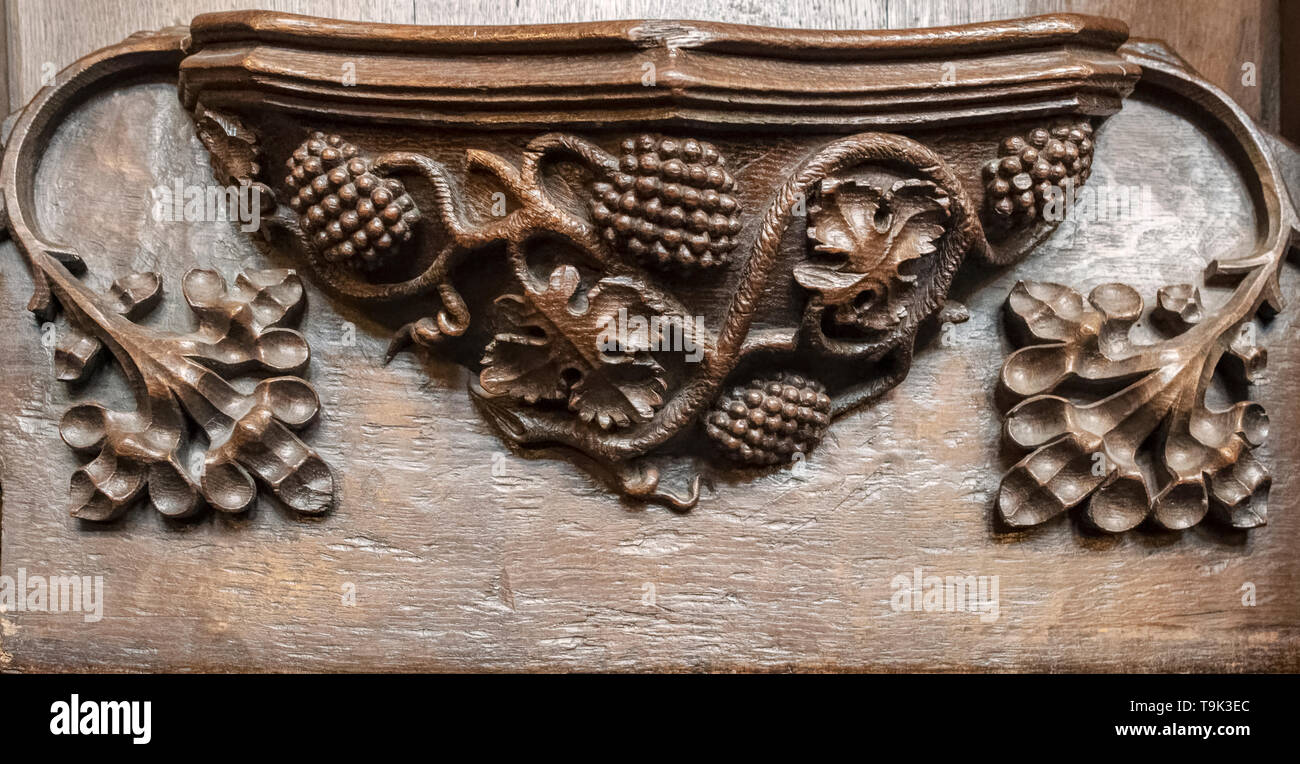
[
  {"x": 868, "y": 242},
  {"x": 248, "y": 437},
  {"x": 1124, "y": 426},
  {"x": 590, "y": 350}
]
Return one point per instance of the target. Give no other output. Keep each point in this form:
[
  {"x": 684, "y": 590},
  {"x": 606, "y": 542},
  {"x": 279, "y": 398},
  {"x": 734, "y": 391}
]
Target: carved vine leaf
[
  {"x": 1148, "y": 445},
  {"x": 558, "y": 343},
  {"x": 869, "y": 239},
  {"x": 176, "y": 377},
  {"x": 231, "y": 145}
]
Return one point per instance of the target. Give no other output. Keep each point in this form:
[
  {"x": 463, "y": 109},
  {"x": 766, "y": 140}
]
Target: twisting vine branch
[{"x": 702, "y": 386}]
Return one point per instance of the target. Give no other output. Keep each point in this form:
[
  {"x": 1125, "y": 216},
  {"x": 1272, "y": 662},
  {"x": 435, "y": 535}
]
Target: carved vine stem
[
  {"x": 547, "y": 339},
  {"x": 700, "y": 389}
]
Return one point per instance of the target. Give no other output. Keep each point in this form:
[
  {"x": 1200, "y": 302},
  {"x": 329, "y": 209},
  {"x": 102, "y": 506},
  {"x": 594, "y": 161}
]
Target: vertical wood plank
[
  {"x": 1219, "y": 39},
  {"x": 4, "y": 52},
  {"x": 1289, "y": 78}
]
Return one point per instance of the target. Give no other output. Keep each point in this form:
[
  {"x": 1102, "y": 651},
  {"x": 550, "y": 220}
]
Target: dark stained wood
[
  {"x": 1289, "y": 77},
  {"x": 694, "y": 73}
]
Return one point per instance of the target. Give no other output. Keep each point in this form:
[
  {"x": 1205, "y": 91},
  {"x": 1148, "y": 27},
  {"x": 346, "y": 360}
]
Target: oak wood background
[{"x": 535, "y": 566}]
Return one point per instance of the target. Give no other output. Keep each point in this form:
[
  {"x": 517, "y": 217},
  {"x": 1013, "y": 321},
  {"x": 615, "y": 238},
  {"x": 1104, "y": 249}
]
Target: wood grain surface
[
  {"x": 450, "y": 551},
  {"x": 464, "y": 555}
]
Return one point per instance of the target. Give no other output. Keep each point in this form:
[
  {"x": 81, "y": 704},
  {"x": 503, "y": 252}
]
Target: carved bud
[
  {"x": 669, "y": 204},
  {"x": 349, "y": 213},
  {"x": 1032, "y": 168},
  {"x": 771, "y": 419}
]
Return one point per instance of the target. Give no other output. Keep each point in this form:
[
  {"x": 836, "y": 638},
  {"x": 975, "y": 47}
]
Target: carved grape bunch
[
  {"x": 350, "y": 214},
  {"x": 771, "y": 419},
  {"x": 1031, "y": 168},
  {"x": 670, "y": 204}
]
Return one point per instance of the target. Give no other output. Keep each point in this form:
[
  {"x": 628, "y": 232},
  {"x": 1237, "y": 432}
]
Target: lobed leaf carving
[
  {"x": 867, "y": 238},
  {"x": 179, "y": 378},
  {"x": 556, "y": 344},
  {"x": 1089, "y": 446}
]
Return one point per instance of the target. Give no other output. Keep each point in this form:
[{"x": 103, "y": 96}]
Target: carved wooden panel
[{"x": 759, "y": 331}]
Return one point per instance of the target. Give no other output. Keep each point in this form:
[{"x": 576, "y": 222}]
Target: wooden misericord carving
[{"x": 679, "y": 250}]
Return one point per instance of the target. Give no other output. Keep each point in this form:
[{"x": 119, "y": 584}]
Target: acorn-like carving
[
  {"x": 349, "y": 213},
  {"x": 771, "y": 419},
  {"x": 1018, "y": 183},
  {"x": 669, "y": 204}
]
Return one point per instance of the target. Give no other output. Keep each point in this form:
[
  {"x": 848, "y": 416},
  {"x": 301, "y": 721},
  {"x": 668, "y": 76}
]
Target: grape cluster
[
  {"x": 669, "y": 204},
  {"x": 1018, "y": 183},
  {"x": 350, "y": 214},
  {"x": 771, "y": 419}
]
